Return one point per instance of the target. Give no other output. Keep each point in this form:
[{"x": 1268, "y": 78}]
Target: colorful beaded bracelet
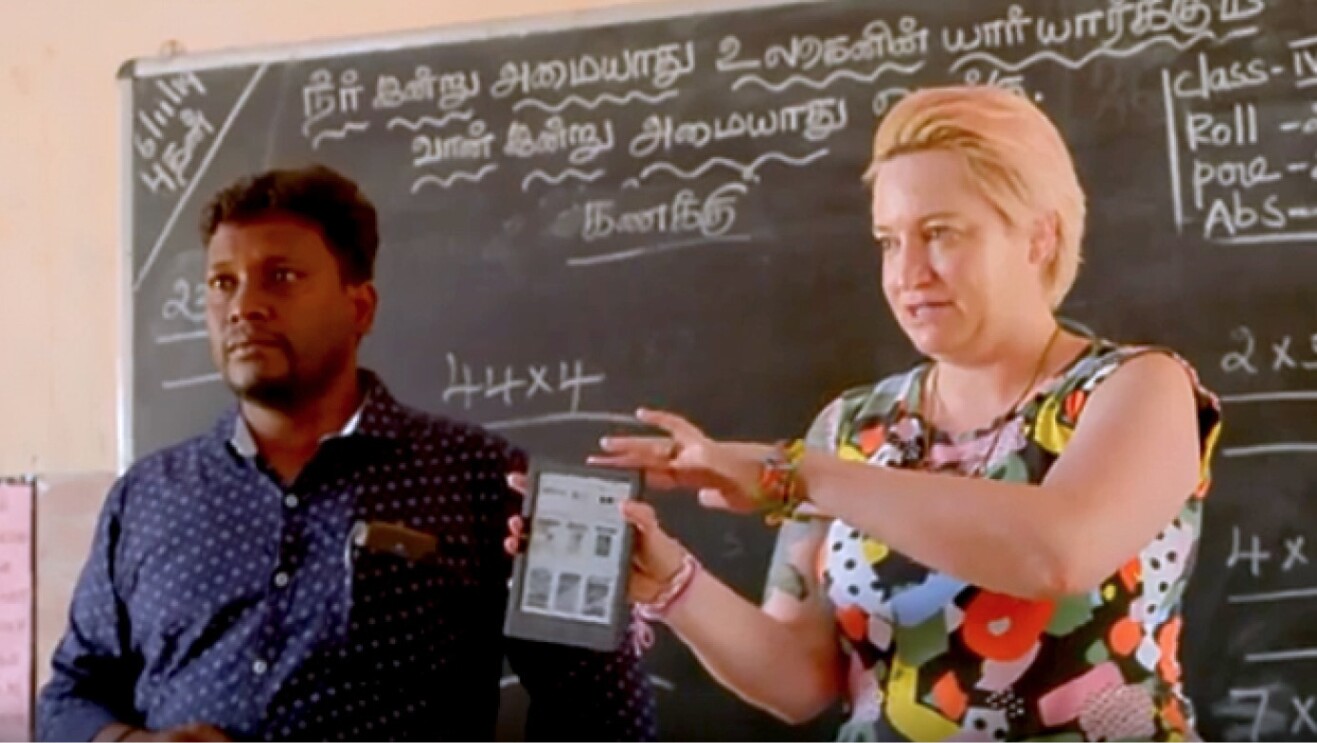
[{"x": 780, "y": 492}]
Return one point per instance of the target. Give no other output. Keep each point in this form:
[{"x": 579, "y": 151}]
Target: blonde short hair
[{"x": 1014, "y": 153}]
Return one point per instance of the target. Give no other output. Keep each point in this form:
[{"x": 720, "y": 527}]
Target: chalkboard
[{"x": 663, "y": 206}]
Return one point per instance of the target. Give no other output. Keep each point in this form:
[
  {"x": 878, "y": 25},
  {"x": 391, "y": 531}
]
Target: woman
[{"x": 1009, "y": 526}]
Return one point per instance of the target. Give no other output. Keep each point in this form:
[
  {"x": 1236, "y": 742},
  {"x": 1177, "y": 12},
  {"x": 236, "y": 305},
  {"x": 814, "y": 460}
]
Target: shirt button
[
  {"x": 290, "y": 501},
  {"x": 281, "y": 579},
  {"x": 259, "y": 667}
]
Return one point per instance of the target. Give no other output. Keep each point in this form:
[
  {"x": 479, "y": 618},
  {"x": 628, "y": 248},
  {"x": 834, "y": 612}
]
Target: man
[{"x": 226, "y": 596}]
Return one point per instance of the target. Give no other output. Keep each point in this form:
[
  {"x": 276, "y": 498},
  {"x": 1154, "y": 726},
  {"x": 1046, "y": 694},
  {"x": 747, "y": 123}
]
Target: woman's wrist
[
  {"x": 780, "y": 490},
  {"x": 668, "y": 606},
  {"x": 672, "y": 592}
]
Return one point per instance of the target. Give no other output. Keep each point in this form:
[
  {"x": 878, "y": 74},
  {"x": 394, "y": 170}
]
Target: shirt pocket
[{"x": 414, "y": 614}]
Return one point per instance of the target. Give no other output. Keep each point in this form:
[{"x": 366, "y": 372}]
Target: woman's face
[{"x": 955, "y": 273}]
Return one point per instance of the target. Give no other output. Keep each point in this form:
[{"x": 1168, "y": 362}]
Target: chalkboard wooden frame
[
  {"x": 472, "y": 31},
  {"x": 127, "y": 331}
]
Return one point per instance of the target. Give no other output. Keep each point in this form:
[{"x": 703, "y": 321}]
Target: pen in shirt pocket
[{"x": 394, "y": 539}]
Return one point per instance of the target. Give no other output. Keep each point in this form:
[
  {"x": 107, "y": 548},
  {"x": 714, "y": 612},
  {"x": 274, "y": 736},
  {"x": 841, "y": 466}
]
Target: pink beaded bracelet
[
  {"x": 676, "y": 588},
  {"x": 658, "y": 608}
]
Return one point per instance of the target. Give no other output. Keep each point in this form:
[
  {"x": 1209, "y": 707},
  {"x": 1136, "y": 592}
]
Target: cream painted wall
[{"x": 59, "y": 187}]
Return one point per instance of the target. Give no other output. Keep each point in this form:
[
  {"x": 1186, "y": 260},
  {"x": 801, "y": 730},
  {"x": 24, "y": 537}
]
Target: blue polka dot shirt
[{"x": 216, "y": 594}]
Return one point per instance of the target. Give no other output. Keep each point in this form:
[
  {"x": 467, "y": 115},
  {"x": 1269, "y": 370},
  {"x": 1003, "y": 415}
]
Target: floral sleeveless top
[{"x": 932, "y": 658}]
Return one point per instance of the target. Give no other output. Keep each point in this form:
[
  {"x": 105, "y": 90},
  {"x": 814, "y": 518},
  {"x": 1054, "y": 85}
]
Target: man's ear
[{"x": 365, "y": 301}]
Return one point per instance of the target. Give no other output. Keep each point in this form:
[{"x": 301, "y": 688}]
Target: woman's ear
[{"x": 1044, "y": 239}]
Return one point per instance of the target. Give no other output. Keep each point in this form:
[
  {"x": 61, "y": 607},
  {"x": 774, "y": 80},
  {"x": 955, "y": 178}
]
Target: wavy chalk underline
[
  {"x": 439, "y": 123},
  {"x": 648, "y": 250},
  {"x": 747, "y": 171},
  {"x": 448, "y": 180},
  {"x": 827, "y": 81},
  {"x": 340, "y": 133},
  {"x": 593, "y": 103},
  {"x": 1073, "y": 64},
  {"x": 555, "y": 180}
]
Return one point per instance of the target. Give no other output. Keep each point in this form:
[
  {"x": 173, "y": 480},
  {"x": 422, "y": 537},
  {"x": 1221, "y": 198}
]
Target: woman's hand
[
  {"x": 656, "y": 557},
  {"x": 724, "y": 473}
]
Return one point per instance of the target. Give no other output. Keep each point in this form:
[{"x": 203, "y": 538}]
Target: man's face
[{"x": 283, "y": 323}]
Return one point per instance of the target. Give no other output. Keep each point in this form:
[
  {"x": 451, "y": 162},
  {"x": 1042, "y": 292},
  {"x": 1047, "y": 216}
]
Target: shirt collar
[
  {"x": 377, "y": 406},
  {"x": 877, "y": 405}
]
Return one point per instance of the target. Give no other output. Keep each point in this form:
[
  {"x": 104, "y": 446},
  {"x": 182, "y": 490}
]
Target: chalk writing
[
  {"x": 591, "y": 104},
  {"x": 1303, "y": 52},
  {"x": 1287, "y": 352},
  {"x": 168, "y": 134},
  {"x": 1122, "y": 29},
  {"x": 477, "y": 143},
  {"x": 886, "y": 98},
  {"x": 1255, "y": 555},
  {"x": 445, "y": 181},
  {"x": 814, "y": 120},
  {"x": 996, "y": 79},
  {"x": 1209, "y": 79},
  {"x": 1275, "y": 712},
  {"x": 513, "y": 386},
  {"x": 554, "y": 180},
  {"x": 188, "y": 302},
  {"x": 661, "y": 66},
  {"x": 1237, "y": 128},
  {"x": 806, "y": 52},
  {"x": 685, "y": 213},
  {"x": 1250, "y": 550},
  {"x": 827, "y": 81},
  {"x": 582, "y": 141},
  {"x": 323, "y": 98},
  {"x": 447, "y": 90},
  {"x": 748, "y": 171},
  {"x": 428, "y": 121},
  {"x": 991, "y": 34},
  {"x": 1236, "y": 174}
]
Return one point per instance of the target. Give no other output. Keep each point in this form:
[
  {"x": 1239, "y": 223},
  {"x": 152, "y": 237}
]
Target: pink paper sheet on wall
[{"x": 16, "y": 609}]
